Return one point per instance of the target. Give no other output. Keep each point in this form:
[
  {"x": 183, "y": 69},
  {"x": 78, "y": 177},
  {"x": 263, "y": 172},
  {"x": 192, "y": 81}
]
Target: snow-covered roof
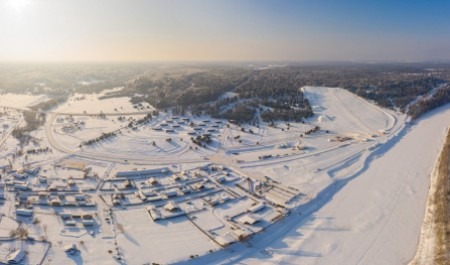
[
  {"x": 171, "y": 206},
  {"x": 16, "y": 256}
]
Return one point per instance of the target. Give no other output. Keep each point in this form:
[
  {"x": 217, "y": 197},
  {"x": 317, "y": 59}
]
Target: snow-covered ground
[
  {"x": 94, "y": 104},
  {"x": 20, "y": 101},
  {"x": 143, "y": 240},
  {"x": 373, "y": 216},
  {"x": 361, "y": 174}
]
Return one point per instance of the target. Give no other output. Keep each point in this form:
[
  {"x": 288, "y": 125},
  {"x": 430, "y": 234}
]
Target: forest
[{"x": 244, "y": 92}]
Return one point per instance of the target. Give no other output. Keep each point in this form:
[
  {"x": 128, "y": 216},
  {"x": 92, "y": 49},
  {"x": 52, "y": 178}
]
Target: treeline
[
  {"x": 101, "y": 138},
  {"x": 33, "y": 121},
  {"x": 272, "y": 93},
  {"x": 239, "y": 114},
  {"x": 38, "y": 151},
  {"x": 65, "y": 79},
  {"x": 49, "y": 104},
  {"x": 186, "y": 87},
  {"x": 397, "y": 94},
  {"x": 439, "y": 98}
]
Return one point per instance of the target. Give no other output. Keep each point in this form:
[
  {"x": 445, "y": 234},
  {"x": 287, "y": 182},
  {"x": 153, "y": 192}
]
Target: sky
[{"x": 227, "y": 30}]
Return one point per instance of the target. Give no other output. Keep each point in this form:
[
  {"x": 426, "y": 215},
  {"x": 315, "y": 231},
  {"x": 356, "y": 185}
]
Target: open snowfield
[
  {"x": 372, "y": 217},
  {"x": 20, "y": 101},
  {"x": 163, "y": 242},
  {"x": 91, "y": 104},
  {"x": 94, "y": 104},
  {"x": 353, "y": 179}
]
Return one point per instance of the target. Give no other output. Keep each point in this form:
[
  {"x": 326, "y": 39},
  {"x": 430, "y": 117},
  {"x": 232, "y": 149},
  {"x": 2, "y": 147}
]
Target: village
[{"x": 121, "y": 181}]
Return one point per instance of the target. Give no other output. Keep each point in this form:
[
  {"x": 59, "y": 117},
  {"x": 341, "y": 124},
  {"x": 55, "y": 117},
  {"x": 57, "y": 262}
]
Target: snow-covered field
[
  {"x": 359, "y": 176},
  {"x": 163, "y": 242},
  {"x": 372, "y": 217},
  {"x": 20, "y": 101},
  {"x": 100, "y": 103},
  {"x": 92, "y": 104}
]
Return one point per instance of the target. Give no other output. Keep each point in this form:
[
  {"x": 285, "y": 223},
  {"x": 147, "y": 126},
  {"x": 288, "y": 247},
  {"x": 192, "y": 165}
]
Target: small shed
[
  {"x": 15, "y": 257},
  {"x": 88, "y": 222},
  {"x": 248, "y": 219},
  {"x": 71, "y": 249},
  {"x": 171, "y": 206},
  {"x": 24, "y": 212},
  {"x": 257, "y": 207}
]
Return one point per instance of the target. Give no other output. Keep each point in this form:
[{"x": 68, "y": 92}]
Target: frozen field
[
  {"x": 346, "y": 186},
  {"x": 373, "y": 219}
]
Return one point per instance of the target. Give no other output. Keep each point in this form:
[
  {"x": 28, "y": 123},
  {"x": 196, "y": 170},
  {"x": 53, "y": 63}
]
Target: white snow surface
[
  {"x": 364, "y": 197},
  {"x": 94, "y": 104},
  {"x": 372, "y": 217},
  {"x": 20, "y": 101}
]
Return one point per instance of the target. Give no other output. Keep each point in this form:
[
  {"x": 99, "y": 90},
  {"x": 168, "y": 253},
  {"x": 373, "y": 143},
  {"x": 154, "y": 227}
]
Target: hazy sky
[{"x": 147, "y": 30}]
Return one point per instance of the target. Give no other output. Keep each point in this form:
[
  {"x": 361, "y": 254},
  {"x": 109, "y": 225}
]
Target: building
[
  {"x": 24, "y": 212},
  {"x": 171, "y": 206},
  {"x": 257, "y": 207},
  {"x": 71, "y": 249},
  {"x": 248, "y": 219},
  {"x": 15, "y": 257}
]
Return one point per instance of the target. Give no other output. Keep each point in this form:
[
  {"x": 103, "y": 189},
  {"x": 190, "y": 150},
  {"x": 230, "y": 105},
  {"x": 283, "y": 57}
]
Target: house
[
  {"x": 171, "y": 193},
  {"x": 70, "y": 222},
  {"x": 56, "y": 187},
  {"x": 19, "y": 185},
  {"x": 65, "y": 216},
  {"x": 153, "y": 181},
  {"x": 257, "y": 207},
  {"x": 71, "y": 182},
  {"x": 248, "y": 219},
  {"x": 42, "y": 179},
  {"x": 88, "y": 222},
  {"x": 19, "y": 175},
  {"x": 42, "y": 195},
  {"x": 116, "y": 202},
  {"x": 70, "y": 201},
  {"x": 55, "y": 202},
  {"x": 71, "y": 249},
  {"x": 171, "y": 206},
  {"x": 199, "y": 186},
  {"x": 80, "y": 197},
  {"x": 177, "y": 177},
  {"x": 127, "y": 184},
  {"x": 32, "y": 171},
  {"x": 88, "y": 217},
  {"x": 15, "y": 257},
  {"x": 220, "y": 178},
  {"x": 24, "y": 212}
]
